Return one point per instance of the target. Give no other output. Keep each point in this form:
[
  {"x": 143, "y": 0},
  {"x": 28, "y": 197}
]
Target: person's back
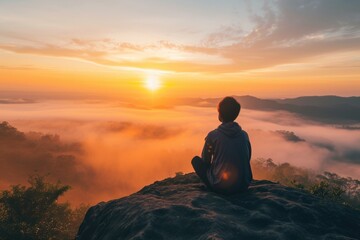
[{"x": 225, "y": 163}]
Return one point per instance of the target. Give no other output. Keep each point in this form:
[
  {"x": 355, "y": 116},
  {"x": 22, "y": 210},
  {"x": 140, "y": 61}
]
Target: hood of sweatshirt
[{"x": 230, "y": 129}]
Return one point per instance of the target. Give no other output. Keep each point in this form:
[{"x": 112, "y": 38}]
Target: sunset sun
[{"x": 152, "y": 83}]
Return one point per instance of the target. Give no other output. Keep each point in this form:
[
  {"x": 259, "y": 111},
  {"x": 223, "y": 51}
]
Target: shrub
[
  {"x": 328, "y": 185},
  {"x": 33, "y": 212}
]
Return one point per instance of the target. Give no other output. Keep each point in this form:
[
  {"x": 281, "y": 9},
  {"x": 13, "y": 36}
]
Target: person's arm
[
  {"x": 248, "y": 143},
  {"x": 207, "y": 151},
  {"x": 250, "y": 150}
]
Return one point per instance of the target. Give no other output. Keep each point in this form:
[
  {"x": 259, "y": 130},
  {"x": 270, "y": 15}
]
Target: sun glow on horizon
[{"x": 152, "y": 83}]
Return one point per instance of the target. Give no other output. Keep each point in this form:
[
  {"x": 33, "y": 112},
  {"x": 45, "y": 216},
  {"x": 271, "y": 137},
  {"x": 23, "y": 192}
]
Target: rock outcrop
[{"x": 182, "y": 208}]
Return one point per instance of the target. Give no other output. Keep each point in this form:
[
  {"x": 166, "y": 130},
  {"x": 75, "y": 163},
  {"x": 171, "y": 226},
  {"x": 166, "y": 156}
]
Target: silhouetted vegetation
[
  {"x": 327, "y": 185},
  {"x": 33, "y": 212}
]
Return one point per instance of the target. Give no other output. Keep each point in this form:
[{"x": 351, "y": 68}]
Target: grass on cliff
[{"x": 327, "y": 185}]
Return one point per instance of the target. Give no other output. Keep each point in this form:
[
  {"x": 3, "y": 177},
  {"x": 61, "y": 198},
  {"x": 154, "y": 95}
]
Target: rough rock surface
[{"x": 182, "y": 208}]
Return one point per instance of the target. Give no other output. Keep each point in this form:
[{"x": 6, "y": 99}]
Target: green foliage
[
  {"x": 326, "y": 190},
  {"x": 33, "y": 212},
  {"x": 328, "y": 185}
]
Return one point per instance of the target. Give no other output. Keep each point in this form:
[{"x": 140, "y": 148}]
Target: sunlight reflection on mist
[{"x": 126, "y": 148}]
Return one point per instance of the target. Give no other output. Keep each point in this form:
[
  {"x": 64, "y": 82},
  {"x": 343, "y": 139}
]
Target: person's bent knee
[{"x": 196, "y": 160}]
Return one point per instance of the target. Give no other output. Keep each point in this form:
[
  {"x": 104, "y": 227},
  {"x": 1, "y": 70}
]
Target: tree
[{"x": 33, "y": 212}]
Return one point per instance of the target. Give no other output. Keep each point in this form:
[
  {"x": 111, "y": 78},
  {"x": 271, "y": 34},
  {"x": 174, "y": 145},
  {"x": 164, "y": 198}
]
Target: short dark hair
[{"x": 228, "y": 109}]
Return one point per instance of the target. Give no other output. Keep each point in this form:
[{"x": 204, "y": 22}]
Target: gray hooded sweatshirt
[{"x": 228, "y": 151}]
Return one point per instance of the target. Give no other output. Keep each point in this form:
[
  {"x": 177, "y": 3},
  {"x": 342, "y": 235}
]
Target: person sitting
[{"x": 224, "y": 165}]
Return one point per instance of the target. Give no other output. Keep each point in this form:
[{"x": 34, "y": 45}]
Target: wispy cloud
[
  {"x": 16, "y": 101},
  {"x": 280, "y": 32},
  {"x": 23, "y": 154},
  {"x": 112, "y": 151}
]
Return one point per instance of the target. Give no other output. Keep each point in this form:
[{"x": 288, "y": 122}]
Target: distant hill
[
  {"x": 321, "y": 101},
  {"x": 326, "y": 109}
]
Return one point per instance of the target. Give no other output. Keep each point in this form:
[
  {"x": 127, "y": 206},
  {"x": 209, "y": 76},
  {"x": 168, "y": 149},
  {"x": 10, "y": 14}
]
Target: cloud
[
  {"x": 305, "y": 19},
  {"x": 112, "y": 151},
  {"x": 289, "y": 136},
  {"x": 195, "y": 62},
  {"x": 280, "y": 32},
  {"x": 317, "y": 155},
  {"x": 349, "y": 127},
  {"x": 112, "y": 160},
  {"x": 325, "y": 145},
  {"x": 143, "y": 131},
  {"x": 16, "y": 101},
  {"x": 24, "y": 154},
  {"x": 353, "y": 156},
  {"x": 24, "y": 67},
  {"x": 301, "y": 22},
  {"x": 289, "y": 31},
  {"x": 350, "y": 155}
]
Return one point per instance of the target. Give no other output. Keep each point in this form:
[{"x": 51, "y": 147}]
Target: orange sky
[{"x": 201, "y": 49}]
